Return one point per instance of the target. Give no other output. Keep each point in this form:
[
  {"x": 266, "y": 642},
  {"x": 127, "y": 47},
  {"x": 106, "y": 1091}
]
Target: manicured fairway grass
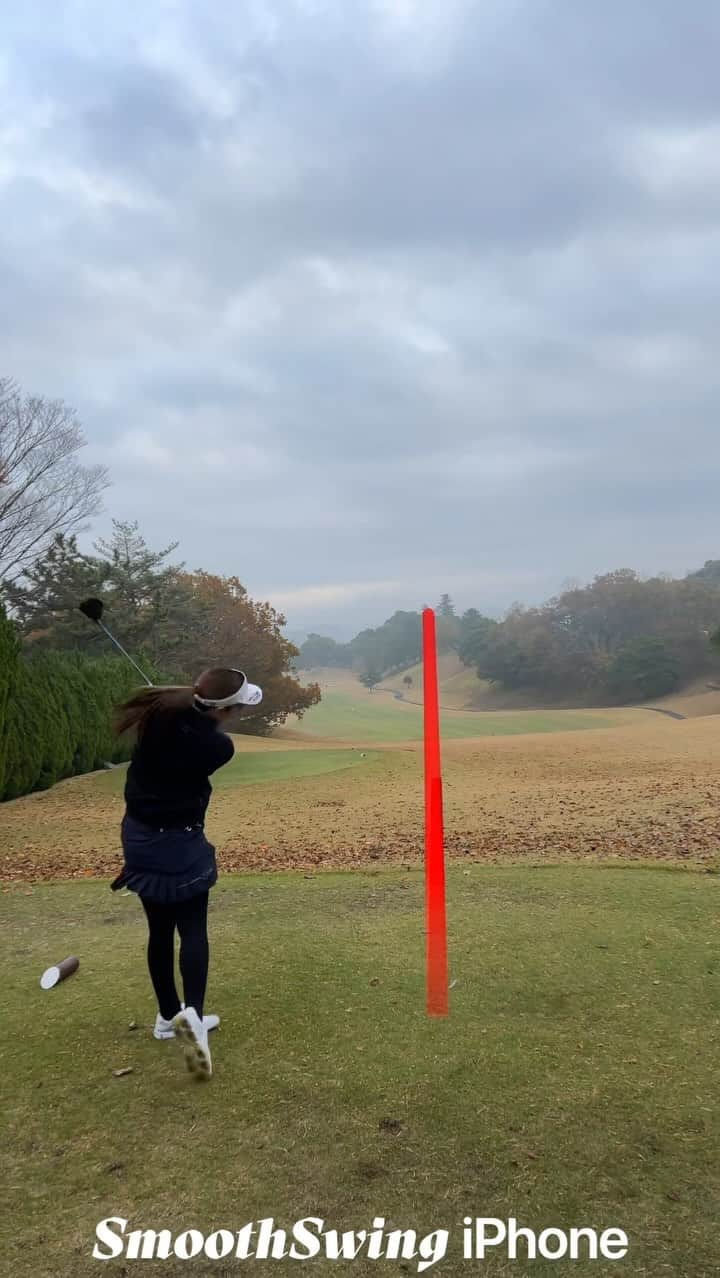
[
  {"x": 574, "y": 1083},
  {"x": 380, "y": 718},
  {"x": 249, "y": 768}
]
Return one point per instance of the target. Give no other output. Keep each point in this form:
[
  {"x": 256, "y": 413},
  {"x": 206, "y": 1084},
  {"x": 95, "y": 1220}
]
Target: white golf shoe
[
  {"x": 166, "y": 1029},
  {"x": 191, "y": 1033}
]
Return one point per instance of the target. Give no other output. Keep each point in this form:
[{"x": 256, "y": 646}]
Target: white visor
[{"x": 248, "y": 694}]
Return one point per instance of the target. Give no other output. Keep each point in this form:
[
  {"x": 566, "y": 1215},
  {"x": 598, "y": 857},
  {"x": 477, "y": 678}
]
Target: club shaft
[
  {"x": 142, "y": 674},
  {"x": 124, "y": 653}
]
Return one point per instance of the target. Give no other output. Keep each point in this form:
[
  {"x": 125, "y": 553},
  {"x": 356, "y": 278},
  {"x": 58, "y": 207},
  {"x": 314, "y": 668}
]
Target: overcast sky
[{"x": 366, "y": 300}]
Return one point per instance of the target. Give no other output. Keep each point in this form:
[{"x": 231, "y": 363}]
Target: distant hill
[
  {"x": 297, "y": 637},
  {"x": 298, "y": 634},
  {"x": 460, "y": 689}
]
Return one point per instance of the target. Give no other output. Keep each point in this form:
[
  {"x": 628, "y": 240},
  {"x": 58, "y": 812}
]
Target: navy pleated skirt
[{"x": 166, "y": 866}]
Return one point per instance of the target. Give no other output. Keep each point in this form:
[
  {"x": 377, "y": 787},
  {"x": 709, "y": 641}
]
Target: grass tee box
[{"x": 573, "y": 1085}]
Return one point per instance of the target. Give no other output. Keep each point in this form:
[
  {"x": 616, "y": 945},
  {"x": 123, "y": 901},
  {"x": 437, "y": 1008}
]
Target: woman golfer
[{"x": 168, "y": 859}]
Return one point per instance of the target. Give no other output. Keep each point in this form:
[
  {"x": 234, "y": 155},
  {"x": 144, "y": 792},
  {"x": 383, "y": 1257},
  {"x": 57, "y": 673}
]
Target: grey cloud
[{"x": 275, "y": 233}]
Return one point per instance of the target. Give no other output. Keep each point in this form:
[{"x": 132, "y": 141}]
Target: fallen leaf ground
[{"x": 647, "y": 790}]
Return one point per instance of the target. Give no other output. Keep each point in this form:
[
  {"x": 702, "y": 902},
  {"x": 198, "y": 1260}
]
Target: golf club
[{"x": 93, "y": 610}]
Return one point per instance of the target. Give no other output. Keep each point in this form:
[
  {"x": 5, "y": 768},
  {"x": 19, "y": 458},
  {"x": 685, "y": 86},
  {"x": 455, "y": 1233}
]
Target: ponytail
[
  {"x": 150, "y": 703},
  {"x": 155, "y": 703}
]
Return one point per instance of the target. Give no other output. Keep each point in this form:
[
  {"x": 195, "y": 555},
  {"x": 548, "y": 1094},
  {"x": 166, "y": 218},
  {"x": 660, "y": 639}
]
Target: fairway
[
  {"x": 573, "y": 1083},
  {"x": 255, "y": 767},
  {"x": 379, "y": 717}
]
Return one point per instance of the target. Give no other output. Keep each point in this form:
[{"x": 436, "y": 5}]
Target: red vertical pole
[{"x": 435, "y": 919}]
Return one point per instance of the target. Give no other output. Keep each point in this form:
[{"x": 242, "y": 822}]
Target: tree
[
  {"x": 643, "y": 668},
  {"x": 45, "y": 604},
  {"x": 240, "y": 632},
  {"x": 44, "y": 490},
  {"x": 319, "y": 650},
  {"x": 448, "y": 626},
  {"x": 172, "y": 621},
  {"x": 475, "y": 634},
  {"x": 408, "y": 681},
  {"x": 503, "y": 659},
  {"x": 369, "y": 678},
  {"x": 571, "y": 646},
  {"x": 147, "y": 606},
  {"x": 150, "y": 598},
  {"x": 393, "y": 646},
  {"x": 710, "y": 573}
]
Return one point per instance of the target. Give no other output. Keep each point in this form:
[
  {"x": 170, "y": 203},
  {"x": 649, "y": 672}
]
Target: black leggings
[{"x": 190, "y": 919}]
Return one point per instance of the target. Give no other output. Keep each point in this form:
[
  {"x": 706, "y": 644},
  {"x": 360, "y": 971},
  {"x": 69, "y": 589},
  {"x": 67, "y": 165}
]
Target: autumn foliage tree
[
  {"x": 619, "y": 637},
  {"x": 242, "y": 632}
]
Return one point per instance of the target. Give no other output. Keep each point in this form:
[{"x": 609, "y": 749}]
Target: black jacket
[{"x": 167, "y": 782}]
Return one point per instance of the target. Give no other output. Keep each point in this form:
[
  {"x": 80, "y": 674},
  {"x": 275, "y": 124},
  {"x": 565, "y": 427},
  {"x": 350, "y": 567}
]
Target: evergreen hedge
[{"x": 55, "y": 714}]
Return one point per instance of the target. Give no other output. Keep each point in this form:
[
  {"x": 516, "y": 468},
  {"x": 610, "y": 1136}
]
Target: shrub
[{"x": 55, "y": 714}]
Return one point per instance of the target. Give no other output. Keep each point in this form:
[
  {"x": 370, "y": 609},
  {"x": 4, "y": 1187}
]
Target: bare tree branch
[{"x": 44, "y": 489}]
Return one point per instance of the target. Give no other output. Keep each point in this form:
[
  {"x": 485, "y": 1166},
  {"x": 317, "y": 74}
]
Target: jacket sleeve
[{"x": 209, "y": 751}]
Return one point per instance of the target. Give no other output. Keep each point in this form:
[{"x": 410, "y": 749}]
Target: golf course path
[{"x": 671, "y": 714}]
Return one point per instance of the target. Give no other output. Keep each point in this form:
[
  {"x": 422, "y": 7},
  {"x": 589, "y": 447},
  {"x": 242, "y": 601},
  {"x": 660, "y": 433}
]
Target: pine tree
[
  {"x": 45, "y": 603},
  {"x": 446, "y": 607}
]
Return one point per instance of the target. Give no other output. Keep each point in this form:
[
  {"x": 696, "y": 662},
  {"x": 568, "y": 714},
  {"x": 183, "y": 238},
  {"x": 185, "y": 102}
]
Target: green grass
[
  {"x": 380, "y": 718},
  {"x": 250, "y": 768},
  {"x": 574, "y": 1082}
]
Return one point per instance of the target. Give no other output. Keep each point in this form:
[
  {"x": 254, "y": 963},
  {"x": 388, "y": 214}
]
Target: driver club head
[{"x": 92, "y": 608}]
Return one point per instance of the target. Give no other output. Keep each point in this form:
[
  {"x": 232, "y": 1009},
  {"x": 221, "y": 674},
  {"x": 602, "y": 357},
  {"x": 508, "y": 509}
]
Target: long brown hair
[{"x": 153, "y": 703}]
